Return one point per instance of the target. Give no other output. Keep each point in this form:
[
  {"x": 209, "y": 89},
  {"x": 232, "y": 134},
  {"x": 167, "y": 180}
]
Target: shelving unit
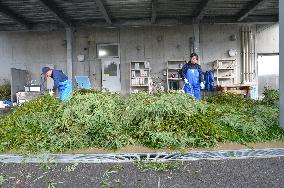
[
  {"x": 140, "y": 77},
  {"x": 224, "y": 71},
  {"x": 174, "y": 81}
]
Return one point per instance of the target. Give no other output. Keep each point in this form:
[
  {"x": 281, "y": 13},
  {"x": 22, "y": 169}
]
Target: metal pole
[{"x": 281, "y": 62}]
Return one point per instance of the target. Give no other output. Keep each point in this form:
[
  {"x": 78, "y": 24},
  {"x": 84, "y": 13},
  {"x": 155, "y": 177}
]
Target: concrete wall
[
  {"x": 154, "y": 44},
  {"x": 215, "y": 43},
  {"x": 158, "y": 44},
  {"x": 267, "y": 38},
  {"x": 33, "y": 50}
]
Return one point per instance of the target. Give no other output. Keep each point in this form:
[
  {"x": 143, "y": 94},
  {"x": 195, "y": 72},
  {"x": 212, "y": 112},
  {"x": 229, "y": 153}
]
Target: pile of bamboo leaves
[{"x": 164, "y": 120}]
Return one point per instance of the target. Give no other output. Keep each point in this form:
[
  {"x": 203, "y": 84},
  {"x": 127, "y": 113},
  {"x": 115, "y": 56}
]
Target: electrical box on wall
[
  {"x": 81, "y": 58},
  {"x": 232, "y": 52}
]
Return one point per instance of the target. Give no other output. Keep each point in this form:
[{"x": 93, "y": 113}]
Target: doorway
[
  {"x": 111, "y": 74},
  {"x": 109, "y": 55}
]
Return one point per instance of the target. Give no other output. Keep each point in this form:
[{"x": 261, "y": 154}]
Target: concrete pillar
[
  {"x": 196, "y": 38},
  {"x": 70, "y": 44},
  {"x": 281, "y": 62}
]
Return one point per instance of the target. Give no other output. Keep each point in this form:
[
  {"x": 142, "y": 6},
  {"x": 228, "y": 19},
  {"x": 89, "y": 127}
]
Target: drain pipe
[
  {"x": 254, "y": 60},
  {"x": 243, "y": 55},
  {"x": 245, "y": 38},
  {"x": 249, "y": 54},
  {"x": 245, "y": 52}
]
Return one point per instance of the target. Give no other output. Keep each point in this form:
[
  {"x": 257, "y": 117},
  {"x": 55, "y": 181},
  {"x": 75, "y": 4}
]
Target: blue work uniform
[
  {"x": 61, "y": 81},
  {"x": 193, "y": 73}
]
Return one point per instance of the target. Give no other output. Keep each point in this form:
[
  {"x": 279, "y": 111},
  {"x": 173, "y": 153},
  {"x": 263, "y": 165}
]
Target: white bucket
[{"x": 2, "y": 105}]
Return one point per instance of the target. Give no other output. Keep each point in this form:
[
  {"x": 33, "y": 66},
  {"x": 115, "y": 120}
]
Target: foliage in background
[
  {"x": 163, "y": 120},
  {"x": 46, "y": 124},
  {"x": 169, "y": 120},
  {"x": 271, "y": 97},
  {"x": 29, "y": 127},
  {"x": 97, "y": 115},
  {"x": 5, "y": 91},
  {"x": 242, "y": 120}
]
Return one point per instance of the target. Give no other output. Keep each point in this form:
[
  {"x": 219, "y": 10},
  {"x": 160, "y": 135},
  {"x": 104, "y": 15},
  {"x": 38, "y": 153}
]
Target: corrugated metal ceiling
[{"x": 30, "y": 13}]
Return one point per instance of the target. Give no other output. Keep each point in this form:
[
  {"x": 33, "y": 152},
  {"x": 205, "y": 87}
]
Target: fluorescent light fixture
[{"x": 102, "y": 53}]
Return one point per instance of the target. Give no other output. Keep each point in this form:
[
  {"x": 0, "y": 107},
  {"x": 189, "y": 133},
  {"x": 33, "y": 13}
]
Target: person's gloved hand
[
  {"x": 202, "y": 86},
  {"x": 51, "y": 93},
  {"x": 186, "y": 81}
]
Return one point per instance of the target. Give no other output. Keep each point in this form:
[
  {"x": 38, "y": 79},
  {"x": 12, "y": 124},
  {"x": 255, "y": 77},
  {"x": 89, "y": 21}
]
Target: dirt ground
[{"x": 142, "y": 149}]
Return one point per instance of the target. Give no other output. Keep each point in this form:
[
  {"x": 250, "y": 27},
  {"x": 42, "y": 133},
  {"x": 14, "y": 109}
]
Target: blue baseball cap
[{"x": 44, "y": 70}]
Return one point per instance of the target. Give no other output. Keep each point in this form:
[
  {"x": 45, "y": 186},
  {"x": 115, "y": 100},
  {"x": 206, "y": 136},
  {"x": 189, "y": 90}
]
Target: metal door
[{"x": 111, "y": 75}]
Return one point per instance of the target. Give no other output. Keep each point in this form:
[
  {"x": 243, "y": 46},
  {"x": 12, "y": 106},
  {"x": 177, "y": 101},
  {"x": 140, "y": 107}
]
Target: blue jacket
[
  {"x": 209, "y": 80},
  {"x": 58, "y": 76},
  {"x": 189, "y": 65}
]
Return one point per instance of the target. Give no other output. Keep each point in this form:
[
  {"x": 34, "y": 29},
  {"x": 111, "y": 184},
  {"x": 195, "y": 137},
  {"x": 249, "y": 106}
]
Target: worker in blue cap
[
  {"x": 193, "y": 78},
  {"x": 60, "y": 81}
]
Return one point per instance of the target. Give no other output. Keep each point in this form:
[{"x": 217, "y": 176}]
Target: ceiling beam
[
  {"x": 174, "y": 21},
  {"x": 252, "y": 6},
  {"x": 103, "y": 11},
  {"x": 50, "y": 6},
  {"x": 145, "y": 22},
  {"x": 249, "y": 20},
  {"x": 202, "y": 10},
  {"x": 154, "y": 11},
  {"x": 8, "y": 13}
]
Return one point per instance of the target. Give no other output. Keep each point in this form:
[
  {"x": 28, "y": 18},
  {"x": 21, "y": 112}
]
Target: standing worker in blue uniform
[
  {"x": 60, "y": 81},
  {"x": 192, "y": 76}
]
